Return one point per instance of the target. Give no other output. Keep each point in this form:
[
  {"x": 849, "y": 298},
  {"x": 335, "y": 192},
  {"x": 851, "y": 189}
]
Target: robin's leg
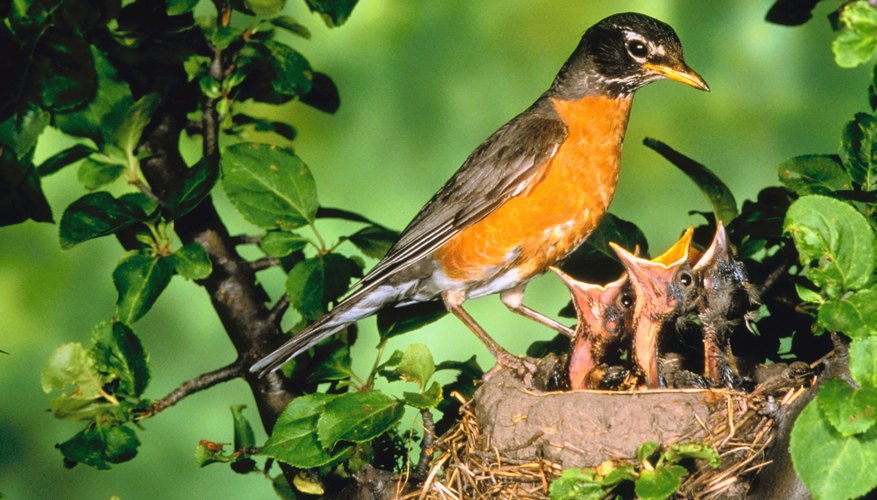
[
  {"x": 453, "y": 300},
  {"x": 514, "y": 300}
]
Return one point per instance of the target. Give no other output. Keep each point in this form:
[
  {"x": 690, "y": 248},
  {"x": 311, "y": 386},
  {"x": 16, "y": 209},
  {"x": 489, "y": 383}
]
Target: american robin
[
  {"x": 606, "y": 321},
  {"x": 665, "y": 288},
  {"x": 724, "y": 299},
  {"x": 526, "y": 197}
]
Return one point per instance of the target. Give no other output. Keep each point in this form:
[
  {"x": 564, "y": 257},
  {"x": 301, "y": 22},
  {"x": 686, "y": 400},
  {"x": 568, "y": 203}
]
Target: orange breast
[{"x": 540, "y": 226}]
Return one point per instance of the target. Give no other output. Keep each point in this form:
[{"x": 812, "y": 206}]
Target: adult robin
[
  {"x": 526, "y": 197},
  {"x": 606, "y": 321}
]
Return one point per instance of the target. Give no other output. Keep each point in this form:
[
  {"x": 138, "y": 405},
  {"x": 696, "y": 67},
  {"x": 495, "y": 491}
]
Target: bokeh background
[{"x": 422, "y": 84}]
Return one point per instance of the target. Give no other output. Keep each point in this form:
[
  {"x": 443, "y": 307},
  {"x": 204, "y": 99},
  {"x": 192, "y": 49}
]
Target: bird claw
[{"x": 524, "y": 368}]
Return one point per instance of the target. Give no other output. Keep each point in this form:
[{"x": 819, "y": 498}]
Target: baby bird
[
  {"x": 665, "y": 288},
  {"x": 723, "y": 301},
  {"x": 604, "y": 325}
]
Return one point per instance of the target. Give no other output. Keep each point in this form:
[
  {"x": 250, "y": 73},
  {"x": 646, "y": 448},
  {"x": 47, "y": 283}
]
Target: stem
[
  {"x": 371, "y": 376},
  {"x": 322, "y": 249},
  {"x": 279, "y": 309},
  {"x": 264, "y": 263},
  {"x": 422, "y": 467},
  {"x": 197, "y": 384}
]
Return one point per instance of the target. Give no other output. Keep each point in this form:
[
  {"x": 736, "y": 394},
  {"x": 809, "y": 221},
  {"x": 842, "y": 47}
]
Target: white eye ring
[{"x": 637, "y": 49}]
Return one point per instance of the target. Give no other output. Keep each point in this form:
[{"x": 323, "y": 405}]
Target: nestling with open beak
[
  {"x": 605, "y": 315},
  {"x": 725, "y": 296},
  {"x": 665, "y": 288}
]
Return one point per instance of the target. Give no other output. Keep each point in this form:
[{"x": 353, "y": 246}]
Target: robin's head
[{"x": 622, "y": 53}]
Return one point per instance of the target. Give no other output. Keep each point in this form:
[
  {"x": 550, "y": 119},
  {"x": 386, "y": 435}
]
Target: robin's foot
[{"x": 523, "y": 368}]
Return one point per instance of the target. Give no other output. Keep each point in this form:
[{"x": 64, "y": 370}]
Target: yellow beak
[{"x": 681, "y": 73}]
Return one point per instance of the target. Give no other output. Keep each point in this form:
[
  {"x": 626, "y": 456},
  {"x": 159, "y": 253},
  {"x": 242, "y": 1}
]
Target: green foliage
[
  {"x": 316, "y": 282},
  {"x": 95, "y": 215},
  {"x": 657, "y": 475},
  {"x": 835, "y": 242},
  {"x": 813, "y": 174},
  {"x": 101, "y": 385},
  {"x": 857, "y": 40},
  {"x": 269, "y": 185},
  {"x": 140, "y": 279}
]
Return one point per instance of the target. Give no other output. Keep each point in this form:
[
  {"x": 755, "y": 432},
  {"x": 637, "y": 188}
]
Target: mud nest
[{"x": 513, "y": 440}]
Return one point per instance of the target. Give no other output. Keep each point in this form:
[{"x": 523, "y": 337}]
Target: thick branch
[{"x": 422, "y": 467}]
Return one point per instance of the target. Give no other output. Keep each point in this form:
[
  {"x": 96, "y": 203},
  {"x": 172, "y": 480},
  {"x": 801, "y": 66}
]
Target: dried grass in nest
[{"x": 740, "y": 427}]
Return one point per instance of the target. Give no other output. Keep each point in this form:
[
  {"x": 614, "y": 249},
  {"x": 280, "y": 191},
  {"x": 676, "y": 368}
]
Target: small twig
[
  {"x": 246, "y": 239},
  {"x": 422, "y": 468},
  {"x": 197, "y": 384},
  {"x": 264, "y": 263},
  {"x": 139, "y": 184},
  {"x": 279, "y": 309}
]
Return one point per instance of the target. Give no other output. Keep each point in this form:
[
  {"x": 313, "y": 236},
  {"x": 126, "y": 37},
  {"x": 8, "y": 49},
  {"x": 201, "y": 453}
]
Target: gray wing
[{"x": 504, "y": 165}]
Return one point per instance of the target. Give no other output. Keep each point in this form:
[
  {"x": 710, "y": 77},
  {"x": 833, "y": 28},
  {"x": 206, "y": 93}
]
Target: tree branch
[
  {"x": 422, "y": 467},
  {"x": 264, "y": 263},
  {"x": 279, "y": 309},
  {"x": 197, "y": 384}
]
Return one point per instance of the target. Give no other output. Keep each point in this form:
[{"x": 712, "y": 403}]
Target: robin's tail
[{"x": 353, "y": 309}]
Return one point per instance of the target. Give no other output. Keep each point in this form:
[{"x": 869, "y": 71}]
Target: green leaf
[
  {"x": 241, "y": 121},
  {"x": 645, "y": 451},
  {"x": 659, "y": 483},
  {"x": 140, "y": 279},
  {"x": 594, "y": 260},
  {"x": 696, "y": 450},
  {"x": 294, "y": 438},
  {"x": 835, "y": 243},
  {"x": 416, "y": 364},
  {"x": 854, "y": 315},
  {"x": 720, "y": 197},
  {"x": 97, "y": 214},
  {"x": 101, "y": 445},
  {"x": 127, "y": 136},
  {"x": 208, "y": 452},
  {"x": 575, "y": 484},
  {"x": 243, "y": 431},
  {"x": 64, "y": 158},
  {"x": 269, "y": 185},
  {"x": 21, "y": 196},
  {"x": 863, "y": 361},
  {"x": 358, "y": 417},
  {"x": 430, "y": 398},
  {"x": 282, "y": 243},
  {"x": 293, "y": 73},
  {"x": 291, "y": 25},
  {"x": 831, "y": 465},
  {"x": 72, "y": 365},
  {"x": 265, "y": 7},
  {"x": 335, "y": 367},
  {"x": 313, "y": 283},
  {"x": 63, "y": 71},
  {"x": 198, "y": 183},
  {"x": 858, "y": 149},
  {"x": 808, "y": 295},
  {"x": 22, "y": 130},
  {"x": 191, "y": 262},
  {"x": 850, "y": 411},
  {"x": 333, "y": 12},
  {"x": 105, "y": 112},
  {"x": 178, "y": 7},
  {"x": 813, "y": 174},
  {"x": 118, "y": 354},
  {"x": 94, "y": 173},
  {"x": 393, "y": 321},
  {"x": 374, "y": 241},
  {"x": 857, "y": 40}
]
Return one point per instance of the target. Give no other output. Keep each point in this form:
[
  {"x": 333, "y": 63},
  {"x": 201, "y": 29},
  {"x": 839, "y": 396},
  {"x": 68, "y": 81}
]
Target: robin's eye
[
  {"x": 637, "y": 49},
  {"x": 626, "y": 301},
  {"x": 686, "y": 279}
]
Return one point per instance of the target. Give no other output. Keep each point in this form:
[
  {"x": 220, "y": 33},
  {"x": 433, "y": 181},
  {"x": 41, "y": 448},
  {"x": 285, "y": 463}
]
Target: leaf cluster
[{"x": 656, "y": 475}]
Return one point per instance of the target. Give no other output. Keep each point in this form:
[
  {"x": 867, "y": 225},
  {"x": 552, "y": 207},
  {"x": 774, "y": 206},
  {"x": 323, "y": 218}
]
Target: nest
[{"x": 512, "y": 441}]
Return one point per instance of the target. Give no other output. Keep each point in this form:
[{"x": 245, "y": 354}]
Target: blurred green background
[{"x": 422, "y": 84}]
